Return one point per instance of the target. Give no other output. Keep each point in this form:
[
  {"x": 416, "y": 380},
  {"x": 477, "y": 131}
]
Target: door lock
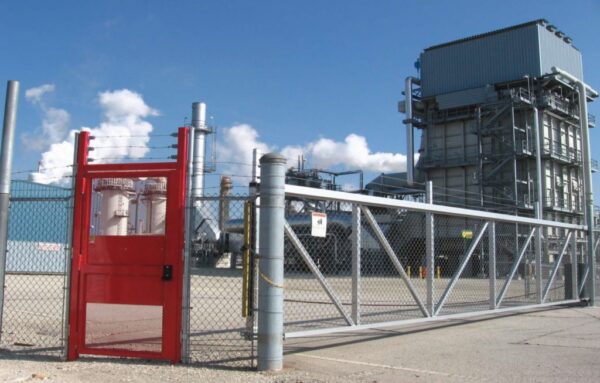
[{"x": 167, "y": 272}]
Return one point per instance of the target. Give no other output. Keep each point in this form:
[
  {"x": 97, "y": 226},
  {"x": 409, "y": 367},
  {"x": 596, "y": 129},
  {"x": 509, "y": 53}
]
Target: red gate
[{"x": 126, "y": 278}]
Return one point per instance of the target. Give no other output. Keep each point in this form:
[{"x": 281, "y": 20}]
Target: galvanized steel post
[
  {"x": 430, "y": 250},
  {"x": 6, "y": 156},
  {"x": 356, "y": 247},
  {"x": 492, "y": 263},
  {"x": 270, "y": 287}
]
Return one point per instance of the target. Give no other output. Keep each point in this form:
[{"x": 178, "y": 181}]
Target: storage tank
[
  {"x": 155, "y": 198},
  {"x": 114, "y": 207}
]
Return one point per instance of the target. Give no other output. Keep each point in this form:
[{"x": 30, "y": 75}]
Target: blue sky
[{"x": 293, "y": 70}]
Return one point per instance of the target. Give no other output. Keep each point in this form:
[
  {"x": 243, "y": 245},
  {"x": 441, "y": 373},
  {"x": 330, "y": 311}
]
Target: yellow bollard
[
  {"x": 421, "y": 272},
  {"x": 438, "y": 272},
  {"x": 408, "y": 271}
]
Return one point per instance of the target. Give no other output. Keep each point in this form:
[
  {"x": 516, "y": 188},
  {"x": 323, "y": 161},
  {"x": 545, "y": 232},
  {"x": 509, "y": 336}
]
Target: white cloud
[
  {"x": 235, "y": 151},
  {"x": 55, "y": 122},
  {"x": 34, "y": 95},
  {"x": 123, "y": 133}
]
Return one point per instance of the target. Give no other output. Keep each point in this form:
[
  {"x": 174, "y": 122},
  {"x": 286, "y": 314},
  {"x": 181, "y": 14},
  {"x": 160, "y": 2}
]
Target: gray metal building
[
  {"x": 499, "y": 125},
  {"x": 477, "y": 107}
]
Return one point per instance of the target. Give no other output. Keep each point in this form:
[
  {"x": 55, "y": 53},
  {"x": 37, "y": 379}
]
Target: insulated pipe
[
  {"x": 410, "y": 140},
  {"x": 6, "y": 156},
  {"x": 270, "y": 286},
  {"x": 200, "y": 131},
  {"x": 582, "y": 90}
]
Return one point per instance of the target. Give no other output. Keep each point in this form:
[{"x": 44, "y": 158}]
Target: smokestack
[
  {"x": 225, "y": 191},
  {"x": 200, "y": 130}
]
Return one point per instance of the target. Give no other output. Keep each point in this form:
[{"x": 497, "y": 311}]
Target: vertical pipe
[
  {"x": 410, "y": 141},
  {"x": 8, "y": 135},
  {"x": 538, "y": 163},
  {"x": 251, "y": 320},
  {"x": 356, "y": 262},
  {"x": 574, "y": 265},
  {"x": 199, "y": 148},
  {"x": 492, "y": 263},
  {"x": 538, "y": 258},
  {"x": 270, "y": 300},
  {"x": 430, "y": 250},
  {"x": 587, "y": 178},
  {"x": 188, "y": 251},
  {"x": 69, "y": 255}
]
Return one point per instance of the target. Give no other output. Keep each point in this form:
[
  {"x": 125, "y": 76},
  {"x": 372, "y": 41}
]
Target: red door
[{"x": 127, "y": 257}]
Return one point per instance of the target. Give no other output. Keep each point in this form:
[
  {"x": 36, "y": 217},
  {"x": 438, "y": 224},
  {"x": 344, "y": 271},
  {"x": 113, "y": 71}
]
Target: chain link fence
[
  {"x": 218, "y": 333},
  {"x": 33, "y": 320}
]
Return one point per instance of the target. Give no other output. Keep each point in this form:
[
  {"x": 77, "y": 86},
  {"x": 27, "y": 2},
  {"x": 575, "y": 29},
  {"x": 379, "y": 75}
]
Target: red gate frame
[{"x": 83, "y": 174}]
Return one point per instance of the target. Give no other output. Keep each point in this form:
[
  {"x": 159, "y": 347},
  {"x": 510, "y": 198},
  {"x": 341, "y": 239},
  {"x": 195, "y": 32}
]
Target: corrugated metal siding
[
  {"x": 531, "y": 50},
  {"x": 476, "y": 63},
  {"x": 555, "y": 52}
]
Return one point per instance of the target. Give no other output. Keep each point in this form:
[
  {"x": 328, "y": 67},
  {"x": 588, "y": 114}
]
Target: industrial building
[{"x": 488, "y": 107}]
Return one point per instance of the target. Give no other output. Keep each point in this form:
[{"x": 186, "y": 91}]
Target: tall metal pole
[
  {"x": 430, "y": 250},
  {"x": 582, "y": 90},
  {"x": 270, "y": 287},
  {"x": 199, "y": 148},
  {"x": 8, "y": 135}
]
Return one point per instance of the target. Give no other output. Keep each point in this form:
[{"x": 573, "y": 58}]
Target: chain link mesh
[
  {"x": 218, "y": 333},
  {"x": 34, "y": 301}
]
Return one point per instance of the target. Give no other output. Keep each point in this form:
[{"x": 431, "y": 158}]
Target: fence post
[
  {"x": 6, "y": 156},
  {"x": 492, "y": 263},
  {"x": 356, "y": 245},
  {"x": 430, "y": 250},
  {"x": 270, "y": 287},
  {"x": 538, "y": 256}
]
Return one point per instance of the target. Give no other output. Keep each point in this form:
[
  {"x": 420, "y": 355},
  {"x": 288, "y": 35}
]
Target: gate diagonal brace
[
  {"x": 393, "y": 258},
  {"x": 316, "y": 272},
  {"x": 556, "y": 265},
  {"x": 461, "y": 268},
  {"x": 515, "y": 265}
]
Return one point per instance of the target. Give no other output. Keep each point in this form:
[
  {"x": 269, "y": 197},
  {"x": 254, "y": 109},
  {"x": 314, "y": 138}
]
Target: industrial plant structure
[{"x": 499, "y": 123}]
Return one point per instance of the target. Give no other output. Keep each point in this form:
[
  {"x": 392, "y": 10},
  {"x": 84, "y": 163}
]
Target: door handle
[{"x": 167, "y": 274}]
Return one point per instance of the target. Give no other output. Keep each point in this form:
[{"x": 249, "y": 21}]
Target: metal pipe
[
  {"x": 356, "y": 237},
  {"x": 270, "y": 300},
  {"x": 538, "y": 163},
  {"x": 199, "y": 125},
  {"x": 410, "y": 140},
  {"x": 188, "y": 251},
  {"x": 8, "y": 135},
  {"x": 430, "y": 249},
  {"x": 582, "y": 89}
]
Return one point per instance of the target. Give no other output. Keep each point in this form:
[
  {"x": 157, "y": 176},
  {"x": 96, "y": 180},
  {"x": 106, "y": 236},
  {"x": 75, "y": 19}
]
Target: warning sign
[
  {"x": 319, "y": 224},
  {"x": 467, "y": 234}
]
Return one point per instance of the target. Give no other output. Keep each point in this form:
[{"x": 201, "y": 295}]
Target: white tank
[
  {"x": 155, "y": 198},
  {"x": 114, "y": 209}
]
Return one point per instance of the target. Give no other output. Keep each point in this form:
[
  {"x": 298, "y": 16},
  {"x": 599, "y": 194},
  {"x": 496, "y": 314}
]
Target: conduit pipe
[{"x": 582, "y": 90}]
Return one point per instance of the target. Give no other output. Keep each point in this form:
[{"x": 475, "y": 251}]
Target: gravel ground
[{"x": 550, "y": 345}]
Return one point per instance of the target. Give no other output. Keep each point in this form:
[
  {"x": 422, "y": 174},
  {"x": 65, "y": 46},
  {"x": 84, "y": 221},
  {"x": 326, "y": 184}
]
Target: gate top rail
[{"x": 331, "y": 195}]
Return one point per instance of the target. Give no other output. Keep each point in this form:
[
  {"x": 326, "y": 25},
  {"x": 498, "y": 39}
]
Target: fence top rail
[{"x": 331, "y": 195}]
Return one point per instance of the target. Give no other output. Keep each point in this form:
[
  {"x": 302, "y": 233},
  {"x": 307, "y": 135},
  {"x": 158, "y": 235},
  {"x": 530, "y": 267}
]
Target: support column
[
  {"x": 6, "y": 157},
  {"x": 538, "y": 258},
  {"x": 430, "y": 251},
  {"x": 492, "y": 263},
  {"x": 270, "y": 287},
  {"x": 356, "y": 262}
]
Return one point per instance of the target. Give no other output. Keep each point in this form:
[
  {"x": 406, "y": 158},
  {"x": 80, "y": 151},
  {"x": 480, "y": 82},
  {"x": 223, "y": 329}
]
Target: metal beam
[
  {"x": 332, "y": 195},
  {"x": 393, "y": 258},
  {"x": 407, "y": 322},
  {"x": 461, "y": 268},
  {"x": 316, "y": 272},
  {"x": 514, "y": 267},
  {"x": 556, "y": 265}
]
